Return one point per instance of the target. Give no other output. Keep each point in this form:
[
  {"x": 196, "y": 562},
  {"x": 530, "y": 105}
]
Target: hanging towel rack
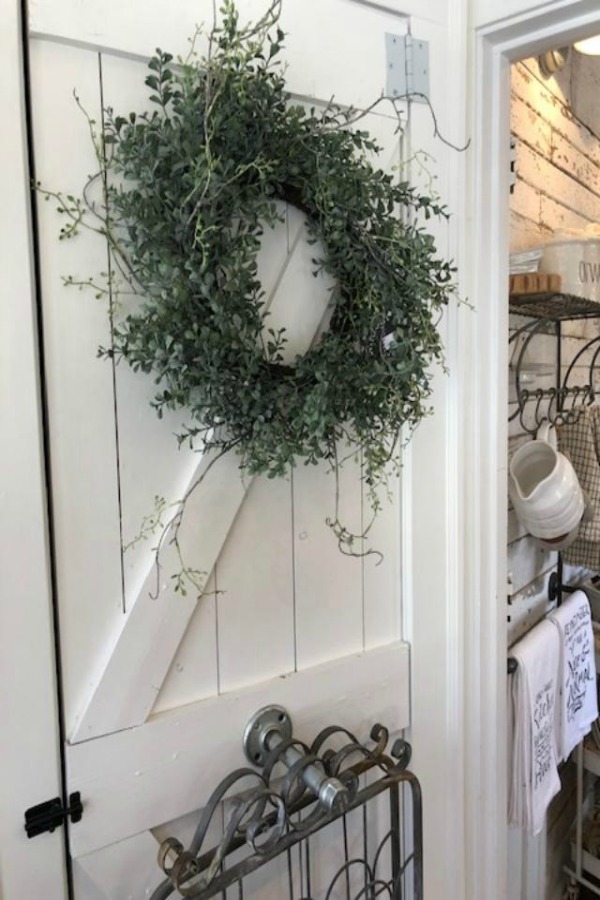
[{"x": 556, "y": 588}]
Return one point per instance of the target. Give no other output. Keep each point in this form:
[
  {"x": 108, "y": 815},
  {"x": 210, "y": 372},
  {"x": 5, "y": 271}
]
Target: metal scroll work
[
  {"x": 574, "y": 383},
  {"x": 336, "y": 820}
]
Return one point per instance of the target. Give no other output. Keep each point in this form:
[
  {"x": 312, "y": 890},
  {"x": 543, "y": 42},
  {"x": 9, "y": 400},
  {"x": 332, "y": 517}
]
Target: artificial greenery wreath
[{"x": 189, "y": 190}]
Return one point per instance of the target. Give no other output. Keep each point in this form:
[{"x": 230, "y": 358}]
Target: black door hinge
[{"x": 51, "y": 814}]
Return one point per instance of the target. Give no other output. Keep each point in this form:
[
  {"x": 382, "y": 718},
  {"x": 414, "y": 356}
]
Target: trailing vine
[{"x": 187, "y": 192}]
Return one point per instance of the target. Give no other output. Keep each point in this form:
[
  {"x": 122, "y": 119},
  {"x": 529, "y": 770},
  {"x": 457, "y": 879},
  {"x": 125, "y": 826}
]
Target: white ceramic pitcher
[{"x": 544, "y": 489}]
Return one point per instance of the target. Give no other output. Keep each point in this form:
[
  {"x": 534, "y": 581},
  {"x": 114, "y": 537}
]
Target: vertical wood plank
[
  {"x": 255, "y": 589},
  {"x": 329, "y": 595},
  {"x": 303, "y": 300},
  {"x": 431, "y": 552},
  {"x": 382, "y": 600},
  {"x": 150, "y": 462},
  {"x": 382, "y": 576},
  {"x": 80, "y": 389}
]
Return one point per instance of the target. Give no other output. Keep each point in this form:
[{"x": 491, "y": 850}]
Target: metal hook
[
  {"x": 571, "y": 415},
  {"x": 553, "y": 398}
]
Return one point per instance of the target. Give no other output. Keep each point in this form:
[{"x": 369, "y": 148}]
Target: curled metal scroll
[{"x": 268, "y": 813}]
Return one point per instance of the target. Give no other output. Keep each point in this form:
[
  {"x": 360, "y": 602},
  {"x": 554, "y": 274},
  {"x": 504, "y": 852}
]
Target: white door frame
[
  {"x": 494, "y": 45},
  {"x": 31, "y": 769}
]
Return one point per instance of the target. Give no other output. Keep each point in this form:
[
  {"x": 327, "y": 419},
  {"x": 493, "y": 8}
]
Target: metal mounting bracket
[
  {"x": 407, "y": 61},
  {"x": 269, "y": 731}
]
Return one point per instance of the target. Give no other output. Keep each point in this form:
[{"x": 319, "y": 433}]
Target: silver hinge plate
[{"x": 407, "y": 61}]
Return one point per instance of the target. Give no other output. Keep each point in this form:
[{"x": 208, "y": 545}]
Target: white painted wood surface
[
  {"x": 488, "y": 14},
  {"x": 287, "y": 574},
  {"x": 141, "y": 777},
  {"x": 557, "y": 153},
  {"x": 136, "y": 662},
  {"x": 284, "y": 582},
  {"x": 30, "y": 770},
  {"x": 125, "y": 870},
  {"x": 133, "y": 29},
  {"x": 432, "y": 572},
  {"x": 113, "y": 682}
]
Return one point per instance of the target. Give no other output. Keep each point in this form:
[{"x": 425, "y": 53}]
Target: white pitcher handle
[{"x": 547, "y": 432}]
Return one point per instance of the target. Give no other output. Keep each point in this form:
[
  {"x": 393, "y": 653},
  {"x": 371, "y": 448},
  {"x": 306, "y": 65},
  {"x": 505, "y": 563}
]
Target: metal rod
[
  {"x": 579, "y": 826},
  {"x": 270, "y": 729},
  {"x": 346, "y": 856},
  {"x": 395, "y": 843},
  {"x": 594, "y": 888}
]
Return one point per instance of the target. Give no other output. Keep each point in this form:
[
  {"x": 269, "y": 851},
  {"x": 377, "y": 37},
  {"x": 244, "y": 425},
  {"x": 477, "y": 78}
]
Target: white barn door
[{"x": 158, "y": 686}]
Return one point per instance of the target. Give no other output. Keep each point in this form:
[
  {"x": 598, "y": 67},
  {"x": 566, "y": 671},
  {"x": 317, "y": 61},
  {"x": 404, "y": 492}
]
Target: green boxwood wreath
[{"x": 189, "y": 190}]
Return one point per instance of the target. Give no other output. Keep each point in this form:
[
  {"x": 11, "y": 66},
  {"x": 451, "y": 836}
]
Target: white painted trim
[
  {"x": 432, "y": 529},
  {"x": 457, "y": 474},
  {"x": 187, "y": 751},
  {"x": 490, "y": 16},
  {"x": 30, "y": 771},
  {"x": 485, "y": 532}
]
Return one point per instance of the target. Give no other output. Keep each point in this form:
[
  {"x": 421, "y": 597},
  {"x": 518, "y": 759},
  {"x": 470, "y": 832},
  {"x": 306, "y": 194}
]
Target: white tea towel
[
  {"x": 578, "y": 697},
  {"x": 534, "y": 780}
]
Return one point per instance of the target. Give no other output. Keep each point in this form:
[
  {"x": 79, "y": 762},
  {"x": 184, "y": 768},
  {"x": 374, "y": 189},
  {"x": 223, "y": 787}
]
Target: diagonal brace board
[{"x": 137, "y": 661}]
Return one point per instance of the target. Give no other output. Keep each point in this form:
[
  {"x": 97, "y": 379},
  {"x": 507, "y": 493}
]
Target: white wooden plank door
[
  {"x": 30, "y": 771},
  {"x": 157, "y": 687}
]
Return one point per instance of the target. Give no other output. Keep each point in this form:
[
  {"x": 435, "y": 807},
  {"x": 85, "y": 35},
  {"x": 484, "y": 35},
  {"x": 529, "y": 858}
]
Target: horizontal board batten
[
  {"x": 134, "y": 29},
  {"x": 140, "y": 777},
  {"x": 529, "y": 126},
  {"x": 556, "y": 216},
  {"x": 526, "y": 234}
]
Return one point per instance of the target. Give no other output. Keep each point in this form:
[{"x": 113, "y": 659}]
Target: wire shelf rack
[{"x": 553, "y": 305}]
